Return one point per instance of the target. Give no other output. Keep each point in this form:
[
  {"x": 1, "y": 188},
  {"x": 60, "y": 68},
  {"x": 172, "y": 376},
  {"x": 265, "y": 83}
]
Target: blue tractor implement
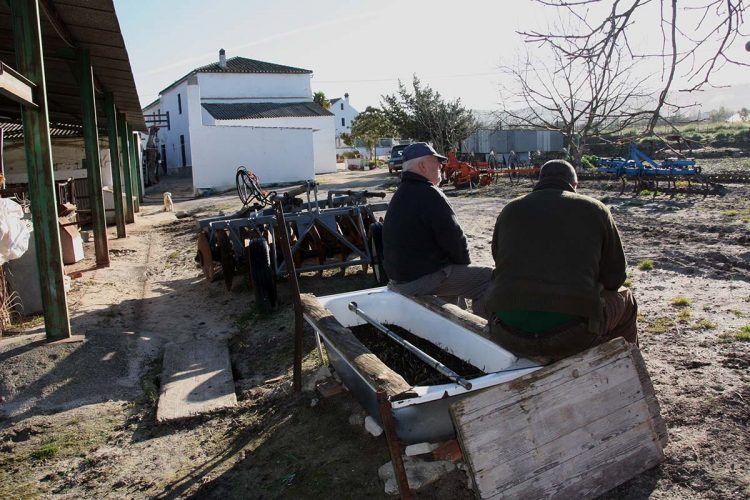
[{"x": 678, "y": 175}]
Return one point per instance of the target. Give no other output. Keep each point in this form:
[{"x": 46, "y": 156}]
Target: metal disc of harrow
[
  {"x": 226, "y": 256},
  {"x": 205, "y": 258}
]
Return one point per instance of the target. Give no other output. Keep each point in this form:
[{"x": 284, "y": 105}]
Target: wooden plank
[
  {"x": 452, "y": 312},
  {"x": 356, "y": 354},
  {"x": 196, "y": 379},
  {"x": 574, "y": 429}
]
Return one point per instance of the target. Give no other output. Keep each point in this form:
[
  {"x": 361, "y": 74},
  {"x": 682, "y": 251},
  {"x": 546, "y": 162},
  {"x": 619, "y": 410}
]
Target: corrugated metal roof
[
  {"x": 248, "y": 110},
  {"x": 14, "y": 130},
  {"x": 68, "y": 25},
  {"x": 245, "y": 65}
]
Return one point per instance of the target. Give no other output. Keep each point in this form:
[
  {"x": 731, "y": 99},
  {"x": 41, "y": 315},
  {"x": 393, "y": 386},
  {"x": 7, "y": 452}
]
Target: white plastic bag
[{"x": 14, "y": 234}]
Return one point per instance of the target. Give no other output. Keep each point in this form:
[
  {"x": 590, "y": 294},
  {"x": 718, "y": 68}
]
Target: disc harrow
[{"x": 335, "y": 232}]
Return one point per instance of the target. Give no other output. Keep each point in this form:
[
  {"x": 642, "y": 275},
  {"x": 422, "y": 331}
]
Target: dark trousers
[{"x": 620, "y": 313}]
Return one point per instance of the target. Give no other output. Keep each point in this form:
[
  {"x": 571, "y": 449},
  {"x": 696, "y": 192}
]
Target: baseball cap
[{"x": 420, "y": 149}]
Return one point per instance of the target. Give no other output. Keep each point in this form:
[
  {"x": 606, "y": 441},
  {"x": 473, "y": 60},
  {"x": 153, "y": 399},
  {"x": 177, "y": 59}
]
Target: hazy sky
[{"x": 360, "y": 47}]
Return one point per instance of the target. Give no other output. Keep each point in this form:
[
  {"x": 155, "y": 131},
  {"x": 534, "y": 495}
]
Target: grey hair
[
  {"x": 412, "y": 164},
  {"x": 559, "y": 169}
]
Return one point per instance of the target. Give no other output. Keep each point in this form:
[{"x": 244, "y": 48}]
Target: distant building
[
  {"x": 241, "y": 111},
  {"x": 503, "y": 142},
  {"x": 343, "y": 116}
]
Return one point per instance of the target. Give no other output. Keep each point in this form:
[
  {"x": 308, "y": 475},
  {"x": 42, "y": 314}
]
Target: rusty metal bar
[
  {"x": 294, "y": 286},
  {"x": 394, "y": 448}
]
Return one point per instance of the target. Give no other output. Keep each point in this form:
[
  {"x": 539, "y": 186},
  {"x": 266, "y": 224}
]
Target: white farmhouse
[
  {"x": 241, "y": 111},
  {"x": 343, "y": 115}
]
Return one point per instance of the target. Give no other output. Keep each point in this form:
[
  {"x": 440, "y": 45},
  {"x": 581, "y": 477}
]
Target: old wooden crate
[{"x": 574, "y": 429}]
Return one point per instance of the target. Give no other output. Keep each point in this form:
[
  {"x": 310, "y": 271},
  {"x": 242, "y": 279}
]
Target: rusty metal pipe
[
  {"x": 389, "y": 428},
  {"x": 429, "y": 360},
  {"x": 294, "y": 285}
]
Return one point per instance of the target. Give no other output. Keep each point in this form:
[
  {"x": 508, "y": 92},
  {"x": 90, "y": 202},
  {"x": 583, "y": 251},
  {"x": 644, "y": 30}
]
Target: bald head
[{"x": 559, "y": 169}]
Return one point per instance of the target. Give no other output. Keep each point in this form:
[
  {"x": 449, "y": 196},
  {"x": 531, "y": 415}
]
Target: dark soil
[{"x": 407, "y": 364}]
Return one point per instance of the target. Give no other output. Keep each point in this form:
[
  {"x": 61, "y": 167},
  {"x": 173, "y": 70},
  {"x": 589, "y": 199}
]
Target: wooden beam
[
  {"x": 352, "y": 350},
  {"x": 15, "y": 86},
  {"x": 42, "y": 191}
]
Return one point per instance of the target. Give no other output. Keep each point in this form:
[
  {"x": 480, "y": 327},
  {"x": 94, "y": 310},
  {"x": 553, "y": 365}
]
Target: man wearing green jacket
[{"x": 559, "y": 270}]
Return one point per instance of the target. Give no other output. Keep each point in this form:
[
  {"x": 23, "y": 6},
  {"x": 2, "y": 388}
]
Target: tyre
[
  {"x": 375, "y": 242},
  {"x": 261, "y": 275}
]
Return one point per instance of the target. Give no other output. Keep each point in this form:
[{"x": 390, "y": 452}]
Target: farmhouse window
[
  {"x": 182, "y": 149},
  {"x": 179, "y": 103}
]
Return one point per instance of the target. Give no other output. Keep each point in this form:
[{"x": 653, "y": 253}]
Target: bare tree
[
  {"x": 580, "y": 97},
  {"x": 696, "y": 37}
]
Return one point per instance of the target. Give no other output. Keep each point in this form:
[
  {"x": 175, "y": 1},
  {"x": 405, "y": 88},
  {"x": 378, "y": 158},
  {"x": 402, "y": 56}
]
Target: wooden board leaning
[{"x": 574, "y": 429}]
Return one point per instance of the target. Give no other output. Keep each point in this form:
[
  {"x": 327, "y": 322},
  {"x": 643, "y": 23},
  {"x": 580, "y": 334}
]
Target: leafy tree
[
  {"x": 320, "y": 98},
  {"x": 423, "y": 114},
  {"x": 369, "y": 126}
]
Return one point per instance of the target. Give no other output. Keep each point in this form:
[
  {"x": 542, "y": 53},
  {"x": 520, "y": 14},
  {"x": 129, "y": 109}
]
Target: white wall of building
[
  {"x": 249, "y": 87},
  {"x": 67, "y": 161},
  {"x": 342, "y": 110},
  {"x": 178, "y": 125},
  {"x": 324, "y": 153},
  {"x": 274, "y": 154}
]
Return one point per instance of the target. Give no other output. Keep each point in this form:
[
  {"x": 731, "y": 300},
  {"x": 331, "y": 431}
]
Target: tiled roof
[
  {"x": 14, "y": 130},
  {"x": 248, "y": 110},
  {"x": 244, "y": 65},
  {"x": 335, "y": 100}
]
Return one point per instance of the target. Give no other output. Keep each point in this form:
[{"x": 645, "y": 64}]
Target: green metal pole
[
  {"x": 114, "y": 154},
  {"x": 122, "y": 128},
  {"x": 136, "y": 166},
  {"x": 91, "y": 142},
  {"x": 133, "y": 170},
  {"x": 38, "y": 148}
]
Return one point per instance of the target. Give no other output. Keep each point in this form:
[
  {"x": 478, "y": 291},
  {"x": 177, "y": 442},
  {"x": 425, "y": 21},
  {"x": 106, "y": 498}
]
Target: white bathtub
[{"x": 424, "y": 417}]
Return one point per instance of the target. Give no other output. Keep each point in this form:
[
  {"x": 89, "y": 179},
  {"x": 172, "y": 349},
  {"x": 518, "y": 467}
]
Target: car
[{"x": 396, "y": 161}]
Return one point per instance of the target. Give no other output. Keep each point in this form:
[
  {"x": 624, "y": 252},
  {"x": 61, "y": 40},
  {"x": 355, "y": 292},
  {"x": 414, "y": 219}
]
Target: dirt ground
[{"x": 77, "y": 419}]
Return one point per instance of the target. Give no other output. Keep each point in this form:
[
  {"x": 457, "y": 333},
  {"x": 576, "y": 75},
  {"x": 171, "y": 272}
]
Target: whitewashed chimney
[{"x": 222, "y": 59}]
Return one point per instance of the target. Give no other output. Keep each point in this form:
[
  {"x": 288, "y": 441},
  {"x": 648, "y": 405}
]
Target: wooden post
[
  {"x": 114, "y": 154},
  {"x": 122, "y": 128},
  {"x": 28, "y": 46},
  {"x": 394, "y": 448},
  {"x": 294, "y": 285},
  {"x": 91, "y": 141}
]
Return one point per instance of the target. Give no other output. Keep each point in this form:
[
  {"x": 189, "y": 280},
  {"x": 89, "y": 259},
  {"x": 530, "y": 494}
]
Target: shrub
[
  {"x": 680, "y": 301},
  {"x": 646, "y": 265},
  {"x": 704, "y": 324},
  {"x": 588, "y": 162},
  {"x": 350, "y": 154}
]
